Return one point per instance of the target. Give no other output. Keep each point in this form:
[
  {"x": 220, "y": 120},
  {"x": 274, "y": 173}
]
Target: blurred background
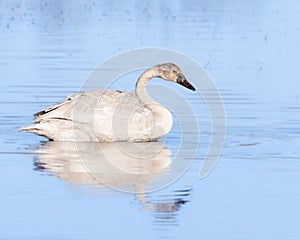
[{"x": 252, "y": 51}]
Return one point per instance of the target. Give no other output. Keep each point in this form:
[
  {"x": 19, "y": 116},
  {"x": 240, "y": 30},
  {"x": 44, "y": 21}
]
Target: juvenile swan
[{"x": 110, "y": 116}]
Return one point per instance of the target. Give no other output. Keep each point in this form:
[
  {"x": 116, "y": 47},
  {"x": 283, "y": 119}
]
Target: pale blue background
[{"x": 252, "y": 51}]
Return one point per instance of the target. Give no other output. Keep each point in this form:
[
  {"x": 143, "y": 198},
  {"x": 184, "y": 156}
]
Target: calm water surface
[{"x": 252, "y": 51}]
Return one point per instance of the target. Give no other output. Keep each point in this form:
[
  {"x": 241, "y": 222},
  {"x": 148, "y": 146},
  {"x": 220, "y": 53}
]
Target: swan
[{"x": 110, "y": 116}]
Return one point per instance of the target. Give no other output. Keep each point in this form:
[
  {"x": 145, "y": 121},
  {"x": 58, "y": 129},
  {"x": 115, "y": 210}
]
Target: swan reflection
[{"x": 130, "y": 167}]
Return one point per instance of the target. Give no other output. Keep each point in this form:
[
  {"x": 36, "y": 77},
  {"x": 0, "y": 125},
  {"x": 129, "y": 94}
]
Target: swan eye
[{"x": 174, "y": 71}]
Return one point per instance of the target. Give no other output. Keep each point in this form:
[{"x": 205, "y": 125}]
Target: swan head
[{"x": 171, "y": 72}]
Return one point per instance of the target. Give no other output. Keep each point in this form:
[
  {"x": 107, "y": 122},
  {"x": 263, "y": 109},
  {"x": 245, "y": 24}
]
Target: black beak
[{"x": 182, "y": 81}]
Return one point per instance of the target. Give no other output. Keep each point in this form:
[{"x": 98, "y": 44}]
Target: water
[{"x": 251, "y": 49}]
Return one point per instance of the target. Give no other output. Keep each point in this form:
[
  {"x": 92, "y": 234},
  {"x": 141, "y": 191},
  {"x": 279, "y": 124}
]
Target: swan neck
[
  {"x": 162, "y": 116},
  {"x": 141, "y": 85}
]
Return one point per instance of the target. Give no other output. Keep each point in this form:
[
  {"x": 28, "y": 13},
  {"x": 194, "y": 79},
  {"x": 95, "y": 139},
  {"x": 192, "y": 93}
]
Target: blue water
[{"x": 250, "y": 48}]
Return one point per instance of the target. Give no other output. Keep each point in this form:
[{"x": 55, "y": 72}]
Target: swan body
[{"x": 110, "y": 116}]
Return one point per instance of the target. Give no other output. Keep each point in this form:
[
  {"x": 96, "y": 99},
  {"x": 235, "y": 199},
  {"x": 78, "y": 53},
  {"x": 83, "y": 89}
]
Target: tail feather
[
  {"x": 36, "y": 129},
  {"x": 30, "y": 128}
]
